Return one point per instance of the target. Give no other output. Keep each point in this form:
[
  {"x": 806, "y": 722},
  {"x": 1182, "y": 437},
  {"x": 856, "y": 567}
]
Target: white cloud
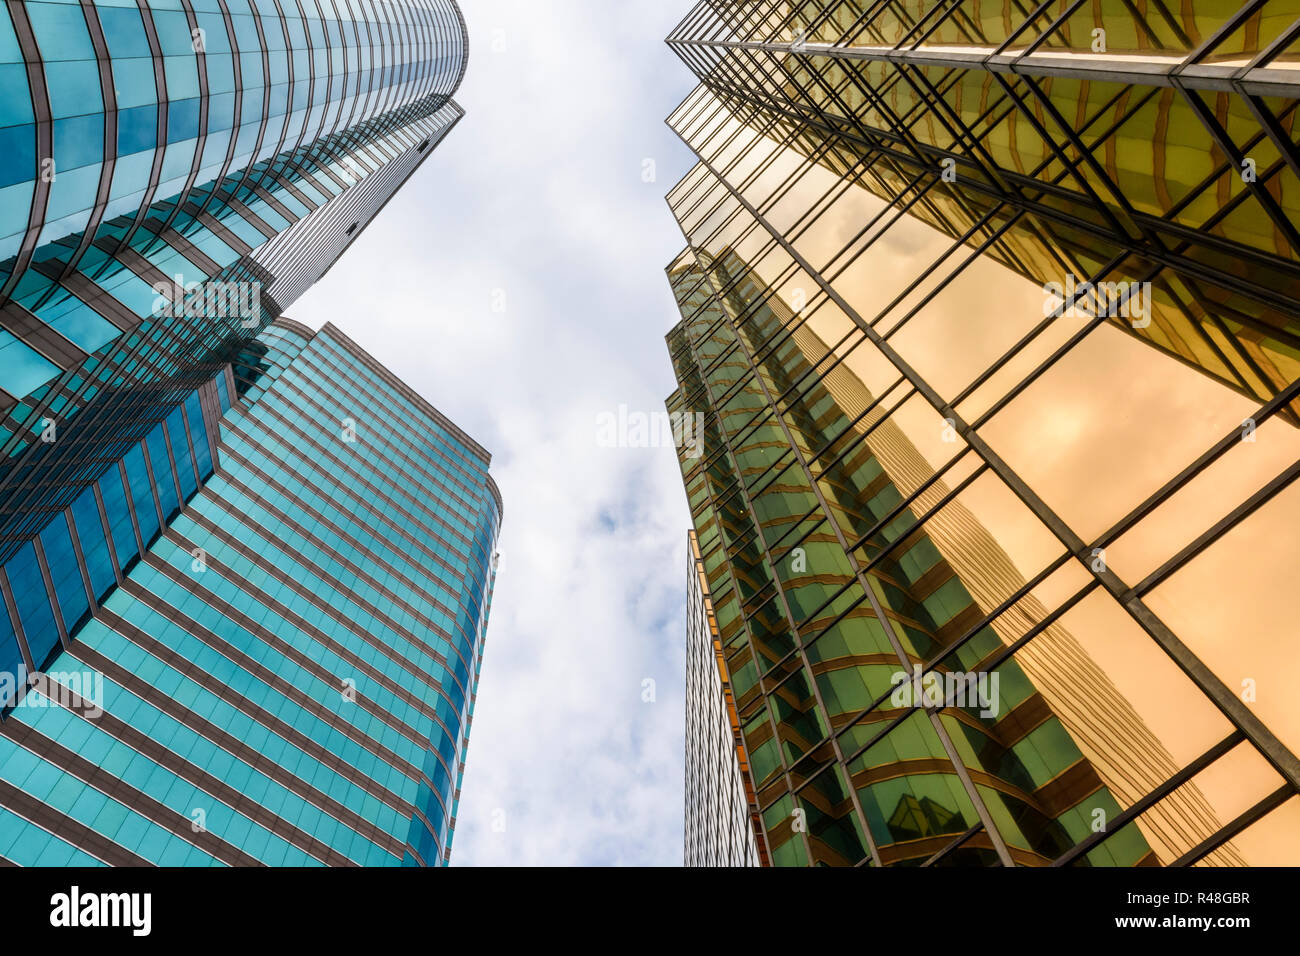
[{"x": 538, "y": 193}]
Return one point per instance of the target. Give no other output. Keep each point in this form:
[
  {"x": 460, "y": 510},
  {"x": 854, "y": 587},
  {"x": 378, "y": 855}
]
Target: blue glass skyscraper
[
  {"x": 244, "y": 571},
  {"x": 259, "y": 633},
  {"x": 150, "y": 147}
]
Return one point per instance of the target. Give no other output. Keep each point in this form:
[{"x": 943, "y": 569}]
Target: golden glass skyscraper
[{"x": 991, "y": 317}]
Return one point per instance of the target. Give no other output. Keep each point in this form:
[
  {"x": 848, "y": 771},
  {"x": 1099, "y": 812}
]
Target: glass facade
[
  {"x": 721, "y": 812},
  {"x": 1054, "y": 138},
  {"x": 257, "y": 638},
  {"x": 173, "y": 174},
  {"x": 1000, "y": 426}
]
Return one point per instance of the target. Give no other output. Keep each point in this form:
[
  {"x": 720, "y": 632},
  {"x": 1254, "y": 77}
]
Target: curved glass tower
[
  {"x": 245, "y": 571},
  {"x": 173, "y": 174}
]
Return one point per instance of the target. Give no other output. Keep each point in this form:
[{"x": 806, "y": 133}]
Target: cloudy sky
[{"x": 537, "y": 202}]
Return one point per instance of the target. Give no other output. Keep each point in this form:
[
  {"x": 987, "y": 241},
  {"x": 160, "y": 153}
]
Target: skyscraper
[
  {"x": 259, "y": 633},
  {"x": 1000, "y": 425},
  {"x": 1084, "y": 139},
  {"x": 721, "y": 812},
  {"x": 172, "y": 176},
  {"x": 250, "y": 566}
]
